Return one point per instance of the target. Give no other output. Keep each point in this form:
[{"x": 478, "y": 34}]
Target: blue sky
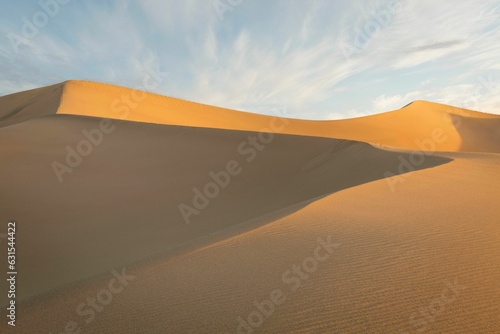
[{"x": 326, "y": 59}]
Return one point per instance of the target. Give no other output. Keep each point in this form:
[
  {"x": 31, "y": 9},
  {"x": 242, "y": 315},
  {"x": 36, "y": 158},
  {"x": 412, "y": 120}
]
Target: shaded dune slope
[
  {"x": 22, "y": 106},
  {"x": 133, "y": 182}
]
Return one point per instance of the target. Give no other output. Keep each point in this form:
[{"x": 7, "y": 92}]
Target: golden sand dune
[
  {"x": 206, "y": 222},
  {"x": 418, "y": 126}
]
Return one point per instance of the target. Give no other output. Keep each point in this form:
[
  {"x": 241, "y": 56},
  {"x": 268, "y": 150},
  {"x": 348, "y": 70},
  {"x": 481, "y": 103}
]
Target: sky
[{"x": 315, "y": 59}]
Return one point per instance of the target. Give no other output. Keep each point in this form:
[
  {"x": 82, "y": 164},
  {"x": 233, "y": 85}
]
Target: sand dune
[
  {"x": 418, "y": 126},
  {"x": 209, "y": 212}
]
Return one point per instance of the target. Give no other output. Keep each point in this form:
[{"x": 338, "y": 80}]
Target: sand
[
  {"x": 412, "y": 127},
  {"x": 416, "y": 234}
]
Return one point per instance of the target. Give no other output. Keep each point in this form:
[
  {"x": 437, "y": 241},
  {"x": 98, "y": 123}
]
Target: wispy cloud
[{"x": 436, "y": 46}]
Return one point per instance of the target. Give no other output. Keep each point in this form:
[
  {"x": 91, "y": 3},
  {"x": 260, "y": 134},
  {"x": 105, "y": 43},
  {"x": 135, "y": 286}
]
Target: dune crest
[{"x": 421, "y": 125}]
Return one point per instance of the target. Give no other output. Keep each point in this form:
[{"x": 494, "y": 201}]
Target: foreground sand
[
  {"x": 396, "y": 253},
  {"x": 399, "y": 242}
]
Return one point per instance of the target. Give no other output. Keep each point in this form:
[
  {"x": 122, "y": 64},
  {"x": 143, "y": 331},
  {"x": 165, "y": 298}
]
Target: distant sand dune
[{"x": 412, "y": 127}]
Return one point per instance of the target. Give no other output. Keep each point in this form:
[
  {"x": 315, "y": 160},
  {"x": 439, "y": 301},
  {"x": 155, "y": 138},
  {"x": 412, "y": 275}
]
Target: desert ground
[{"x": 141, "y": 213}]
